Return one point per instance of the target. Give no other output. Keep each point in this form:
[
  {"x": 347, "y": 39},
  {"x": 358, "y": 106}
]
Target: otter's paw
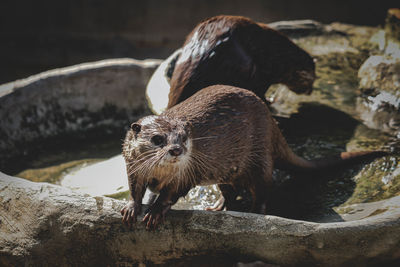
[
  {"x": 129, "y": 213},
  {"x": 155, "y": 216}
]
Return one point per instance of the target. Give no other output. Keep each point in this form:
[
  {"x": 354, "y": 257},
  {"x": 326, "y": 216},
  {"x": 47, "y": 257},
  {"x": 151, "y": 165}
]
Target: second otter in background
[{"x": 234, "y": 50}]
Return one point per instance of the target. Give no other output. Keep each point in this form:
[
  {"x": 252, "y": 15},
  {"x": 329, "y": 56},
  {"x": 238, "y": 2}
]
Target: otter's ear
[{"x": 136, "y": 127}]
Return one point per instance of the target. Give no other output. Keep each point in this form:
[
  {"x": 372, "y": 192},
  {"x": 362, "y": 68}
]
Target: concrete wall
[
  {"x": 103, "y": 97},
  {"x": 41, "y": 35}
]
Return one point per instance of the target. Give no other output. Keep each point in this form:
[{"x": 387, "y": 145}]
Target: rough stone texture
[
  {"x": 382, "y": 72},
  {"x": 48, "y": 225},
  {"x": 56, "y": 102},
  {"x": 298, "y": 28},
  {"x": 379, "y": 105}
]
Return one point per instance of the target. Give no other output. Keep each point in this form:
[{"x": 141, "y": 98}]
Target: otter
[
  {"x": 221, "y": 135},
  {"x": 237, "y": 51}
]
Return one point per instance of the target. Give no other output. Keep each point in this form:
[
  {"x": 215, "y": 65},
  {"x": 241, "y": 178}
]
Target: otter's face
[
  {"x": 301, "y": 78},
  {"x": 160, "y": 144},
  {"x": 301, "y": 81}
]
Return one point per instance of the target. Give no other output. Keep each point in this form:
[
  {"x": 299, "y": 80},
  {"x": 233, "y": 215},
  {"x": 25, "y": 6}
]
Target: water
[{"x": 58, "y": 157}]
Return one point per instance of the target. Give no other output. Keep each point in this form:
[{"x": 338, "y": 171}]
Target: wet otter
[
  {"x": 237, "y": 51},
  {"x": 221, "y": 135}
]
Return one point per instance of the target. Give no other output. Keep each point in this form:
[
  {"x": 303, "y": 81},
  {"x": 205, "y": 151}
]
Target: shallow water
[
  {"x": 319, "y": 131},
  {"x": 56, "y": 158}
]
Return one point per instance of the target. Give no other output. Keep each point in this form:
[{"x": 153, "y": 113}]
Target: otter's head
[
  {"x": 158, "y": 146},
  {"x": 301, "y": 78},
  {"x": 301, "y": 82}
]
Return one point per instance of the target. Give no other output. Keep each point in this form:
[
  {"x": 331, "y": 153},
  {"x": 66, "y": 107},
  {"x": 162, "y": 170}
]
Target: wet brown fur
[
  {"x": 237, "y": 51},
  {"x": 234, "y": 142}
]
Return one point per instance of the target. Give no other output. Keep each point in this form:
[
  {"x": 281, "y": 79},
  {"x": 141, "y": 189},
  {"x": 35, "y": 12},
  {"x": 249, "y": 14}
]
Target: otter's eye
[
  {"x": 184, "y": 138},
  {"x": 157, "y": 140}
]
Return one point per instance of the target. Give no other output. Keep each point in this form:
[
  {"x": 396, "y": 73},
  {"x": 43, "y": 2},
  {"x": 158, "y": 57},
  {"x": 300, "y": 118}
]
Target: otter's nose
[
  {"x": 175, "y": 151},
  {"x": 308, "y": 91}
]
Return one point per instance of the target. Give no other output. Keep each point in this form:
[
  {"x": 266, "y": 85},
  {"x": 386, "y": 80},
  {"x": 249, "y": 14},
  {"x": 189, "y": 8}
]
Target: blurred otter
[
  {"x": 221, "y": 135},
  {"x": 237, "y": 51}
]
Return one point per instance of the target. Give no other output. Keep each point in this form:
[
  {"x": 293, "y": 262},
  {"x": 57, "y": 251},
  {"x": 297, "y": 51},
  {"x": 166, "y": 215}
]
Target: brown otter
[
  {"x": 237, "y": 51},
  {"x": 221, "y": 135}
]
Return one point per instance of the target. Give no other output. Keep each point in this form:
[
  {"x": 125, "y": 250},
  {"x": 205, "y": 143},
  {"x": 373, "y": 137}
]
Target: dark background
[{"x": 41, "y": 35}]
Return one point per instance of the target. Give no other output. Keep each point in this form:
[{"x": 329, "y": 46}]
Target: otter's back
[{"x": 227, "y": 123}]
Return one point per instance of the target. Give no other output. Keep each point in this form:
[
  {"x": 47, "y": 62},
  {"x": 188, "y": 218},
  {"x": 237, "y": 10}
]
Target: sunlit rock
[{"x": 44, "y": 224}]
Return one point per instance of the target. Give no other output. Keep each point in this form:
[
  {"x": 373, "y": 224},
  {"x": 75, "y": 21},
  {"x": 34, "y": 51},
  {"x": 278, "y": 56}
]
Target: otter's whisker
[{"x": 205, "y": 137}]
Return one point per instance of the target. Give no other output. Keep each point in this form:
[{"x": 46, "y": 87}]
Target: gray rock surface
[
  {"x": 379, "y": 106},
  {"x": 48, "y": 225}
]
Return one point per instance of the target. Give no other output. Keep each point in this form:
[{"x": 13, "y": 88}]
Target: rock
[
  {"x": 379, "y": 105},
  {"x": 381, "y": 72},
  {"x": 298, "y": 28},
  {"x": 44, "y": 224},
  {"x": 56, "y": 102}
]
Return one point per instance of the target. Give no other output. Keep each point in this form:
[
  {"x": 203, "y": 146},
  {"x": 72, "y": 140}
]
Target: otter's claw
[
  {"x": 155, "y": 216},
  {"x": 129, "y": 213}
]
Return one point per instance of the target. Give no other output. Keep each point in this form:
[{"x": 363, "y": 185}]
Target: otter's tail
[
  {"x": 343, "y": 160},
  {"x": 288, "y": 160}
]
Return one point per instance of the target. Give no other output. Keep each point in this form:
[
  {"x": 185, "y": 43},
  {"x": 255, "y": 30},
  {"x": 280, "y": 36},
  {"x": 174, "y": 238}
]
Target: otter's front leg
[
  {"x": 168, "y": 197},
  {"x": 131, "y": 210}
]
